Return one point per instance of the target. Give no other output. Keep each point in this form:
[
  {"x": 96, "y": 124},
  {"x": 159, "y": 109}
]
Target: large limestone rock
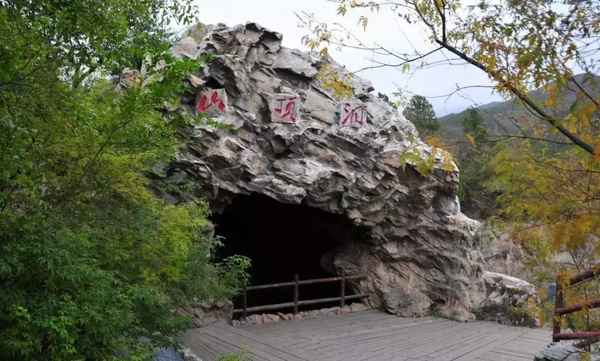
[
  {"x": 564, "y": 351},
  {"x": 417, "y": 247},
  {"x": 207, "y": 313},
  {"x": 508, "y": 300},
  {"x": 500, "y": 253}
]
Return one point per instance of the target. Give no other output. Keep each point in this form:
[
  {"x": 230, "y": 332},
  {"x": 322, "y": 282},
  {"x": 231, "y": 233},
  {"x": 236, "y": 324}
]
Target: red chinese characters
[
  {"x": 212, "y": 100},
  {"x": 285, "y": 108},
  {"x": 353, "y": 114}
]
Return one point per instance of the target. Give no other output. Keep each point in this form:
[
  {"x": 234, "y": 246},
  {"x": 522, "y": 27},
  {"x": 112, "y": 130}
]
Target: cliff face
[{"x": 347, "y": 158}]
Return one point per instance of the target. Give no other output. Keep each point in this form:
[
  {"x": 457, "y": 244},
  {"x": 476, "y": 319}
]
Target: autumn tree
[
  {"x": 520, "y": 45},
  {"x": 420, "y": 112},
  {"x": 547, "y": 173}
]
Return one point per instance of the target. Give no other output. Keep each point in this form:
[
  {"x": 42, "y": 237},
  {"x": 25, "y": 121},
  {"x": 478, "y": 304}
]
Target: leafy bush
[
  {"x": 92, "y": 265},
  {"x": 241, "y": 356}
]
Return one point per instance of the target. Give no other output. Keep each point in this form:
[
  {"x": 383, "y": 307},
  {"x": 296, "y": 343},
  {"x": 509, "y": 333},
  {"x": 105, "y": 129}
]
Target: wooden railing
[
  {"x": 296, "y": 303},
  {"x": 560, "y": 309}
]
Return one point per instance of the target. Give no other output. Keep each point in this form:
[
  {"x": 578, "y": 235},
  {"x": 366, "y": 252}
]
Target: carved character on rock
[{"x": 285, "y": 108}]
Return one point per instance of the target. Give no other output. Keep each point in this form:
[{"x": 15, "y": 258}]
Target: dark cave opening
[{"x": 282, "y": 240}]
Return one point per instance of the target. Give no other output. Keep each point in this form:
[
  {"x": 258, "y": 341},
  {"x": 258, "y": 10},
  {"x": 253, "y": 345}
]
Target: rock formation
[
  {"x": 564, "y": 351},
  {"x": 417, "y": 250},
  {"x": 500, "y": 253},
  {"x": 508, "y": 300}
]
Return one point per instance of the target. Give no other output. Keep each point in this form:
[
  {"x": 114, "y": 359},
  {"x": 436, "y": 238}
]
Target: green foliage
[
  {"x": 547, "y": 194},
  {"x": 423, "y": 165},
  {"x": 424, "y": 162},
  {"x": 420, "y": 112},
  {"x": 92, "y": 265},
  {"x": 474, "y": 127},
  {"x": 241, "y": 356},
  {"x": 473, "y": 156}
]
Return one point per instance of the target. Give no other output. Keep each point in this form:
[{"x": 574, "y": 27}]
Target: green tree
[
  {"x": 473, "y": 157},
  {"x": 92, "y": 265},
  {"x": 474, "y": 127},
  {"x": 420, "y": 112}
]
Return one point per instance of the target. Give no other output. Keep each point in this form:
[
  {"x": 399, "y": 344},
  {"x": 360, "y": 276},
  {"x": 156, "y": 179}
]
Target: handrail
[
  {"x": 296, "y": 302},
  {"x": 303, "y": 282},
  {"x": 560, "y": 309}
]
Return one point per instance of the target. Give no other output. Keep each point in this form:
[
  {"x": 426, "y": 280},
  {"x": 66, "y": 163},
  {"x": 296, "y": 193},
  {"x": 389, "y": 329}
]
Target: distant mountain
[{"x": 500, "y": 117}]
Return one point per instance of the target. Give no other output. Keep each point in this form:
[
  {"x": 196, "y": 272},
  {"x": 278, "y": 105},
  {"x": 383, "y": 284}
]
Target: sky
[{"x": 384, "y": 29}]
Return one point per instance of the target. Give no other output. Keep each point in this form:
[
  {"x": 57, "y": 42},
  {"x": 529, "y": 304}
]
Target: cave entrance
[{"x": 282, "y": 240}]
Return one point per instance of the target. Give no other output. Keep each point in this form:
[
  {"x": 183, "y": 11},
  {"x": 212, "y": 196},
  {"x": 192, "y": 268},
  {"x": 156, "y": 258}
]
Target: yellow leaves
[
  {"x": 324, "y": 53},
  {"x": 550, "y": 102},
  {"x": 434, "y": 141},
  {"x": 312, "y": 44},
  {"x": 550, "y": 197},
  {"x": 525, "y": 59},
  {"x": 437, "y": 145},
  {"x": 580, "y": 120},
  {"x": 489, "y": 60},
  {"x": 342, "y": 8},
  {"x": 448, "y": 162},
  {"x": 470, "y": 138},
  {"x": 597, "y": 152},
  {"x": 332, "y": 80},
  {"x": 552, "y": 92},
  {"x": 585, "y": 113}
]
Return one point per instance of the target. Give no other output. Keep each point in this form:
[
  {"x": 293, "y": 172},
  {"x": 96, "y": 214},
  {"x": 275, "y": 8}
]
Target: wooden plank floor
[{"x": 370, "y": 336}]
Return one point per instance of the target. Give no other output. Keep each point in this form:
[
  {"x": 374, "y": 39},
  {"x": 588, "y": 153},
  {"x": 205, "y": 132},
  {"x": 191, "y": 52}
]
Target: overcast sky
[{"x": 384, "y": 29}]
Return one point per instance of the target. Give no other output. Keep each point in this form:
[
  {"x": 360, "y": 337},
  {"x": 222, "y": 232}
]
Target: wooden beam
[
  {"x": 577, "y": 307},
  {"x": 576, "y": 335},
  {"x": 583, "y": 276},
  {"x": 279, "y": 306},
  {"x": 558, "y": 304},
  {"x": 304, "y": 282}
]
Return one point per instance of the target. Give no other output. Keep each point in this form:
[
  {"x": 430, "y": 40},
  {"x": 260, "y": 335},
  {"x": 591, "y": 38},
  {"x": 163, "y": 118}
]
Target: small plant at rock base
[{"x": 240, "y": 356}]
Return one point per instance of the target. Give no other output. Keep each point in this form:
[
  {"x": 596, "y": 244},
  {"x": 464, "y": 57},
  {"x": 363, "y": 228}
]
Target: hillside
[{"x": 500, "y": 117}]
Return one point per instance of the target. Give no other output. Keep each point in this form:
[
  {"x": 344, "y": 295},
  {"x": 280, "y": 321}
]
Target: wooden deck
[{"x": 370, "y": 335}]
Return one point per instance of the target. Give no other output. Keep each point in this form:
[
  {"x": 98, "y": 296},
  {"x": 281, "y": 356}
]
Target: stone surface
[
  {"x": 265, "y": 318},
  {"x": 168, "y": 354},
  {"x": 416, "y": 248},
  {"x": 203, "y": 314},
  {"x": 507, "y": 300},
  {"x": 561, "y": 351},
  {"x": 188, "y": 355},
  {"x": 501, "y": 253}
]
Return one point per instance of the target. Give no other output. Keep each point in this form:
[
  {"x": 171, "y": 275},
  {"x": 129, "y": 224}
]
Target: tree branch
[
  {"x": 407, "y": 61},
  {"x": 523, "y": 97},
  {"x": 504, "y": 83},
  {"x": 585, "y": 92}
]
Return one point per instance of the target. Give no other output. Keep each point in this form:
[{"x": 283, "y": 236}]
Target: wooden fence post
[
  {"x": 296, "y": 293},
  {"x": 245, "y": 300},
  {"x": 558, "y": 303},
  {"x": 343, "y": 290}
]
